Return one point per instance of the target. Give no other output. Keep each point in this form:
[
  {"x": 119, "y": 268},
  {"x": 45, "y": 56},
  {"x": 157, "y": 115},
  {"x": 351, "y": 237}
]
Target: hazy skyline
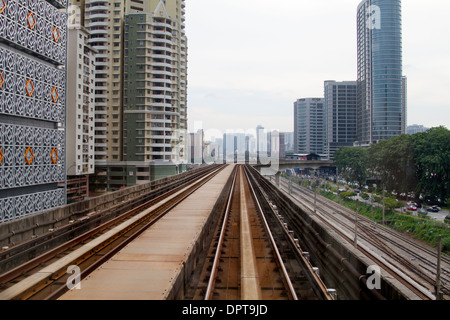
[{"x": 250, "y": 60}]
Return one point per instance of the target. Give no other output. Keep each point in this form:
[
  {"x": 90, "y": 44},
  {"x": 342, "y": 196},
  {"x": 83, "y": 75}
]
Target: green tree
[
  {"x": 393, "y": 162},
  {"x": 392, "y": 204},
  {"x": 419, "y": 163},
  {"x": 432, "y": 159},
  {"x": 352, "y": 163}
]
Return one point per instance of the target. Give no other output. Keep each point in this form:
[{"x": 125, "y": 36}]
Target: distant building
[
  {"x": 261, "y": 143},
  {"x": 282, "y": 150},
  {"x": 196, "y": 147},
  {"x": 235, "y": 146},
  {"x": 340, "y": 106},
  {"x": 415, "y": 128},
  {"x": 404, "y": 104},
  {"x": 309, "y": 126},
  {"x": 289, "y": 142}
]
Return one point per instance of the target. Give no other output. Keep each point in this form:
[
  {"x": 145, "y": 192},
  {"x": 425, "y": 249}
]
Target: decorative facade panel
[
  {"x": 36, "y": 26},
  {"x": 31, "y": 156},
  {"x": 30, "y": 88},
  {"x": 20, "y": 206},
  {"x": 33, "y": 39}
]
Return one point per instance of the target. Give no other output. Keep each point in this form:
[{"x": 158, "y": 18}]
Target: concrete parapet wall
[{"x": 17, "y": 231}]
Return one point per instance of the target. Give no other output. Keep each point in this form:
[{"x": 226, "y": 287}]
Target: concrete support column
[{"x": 277, "y": 178}]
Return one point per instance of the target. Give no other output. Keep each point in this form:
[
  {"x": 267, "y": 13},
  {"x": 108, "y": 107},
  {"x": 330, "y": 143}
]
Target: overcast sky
[{"x": 249, "y": 60}]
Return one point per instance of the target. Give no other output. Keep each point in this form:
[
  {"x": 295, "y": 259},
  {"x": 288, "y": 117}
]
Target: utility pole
[
  {"x": 384, "y": 207},
  {"x": 315, "y": 199},
  {"x": 438, "y": 273},
  {"x": 290, "y": 184},
  {"x": 371, "y": 206}
]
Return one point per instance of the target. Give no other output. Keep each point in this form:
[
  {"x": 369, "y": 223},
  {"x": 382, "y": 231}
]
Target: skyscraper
[
  {"x": 340, "y": 106},
  {"x": 309, "y": 126},
  {"x": 33, "y": 50},
  {"x": 381, "y": 111}
]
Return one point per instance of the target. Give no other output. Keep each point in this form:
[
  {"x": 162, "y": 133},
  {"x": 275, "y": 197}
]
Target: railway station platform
[{"x": 156, "y": 264}]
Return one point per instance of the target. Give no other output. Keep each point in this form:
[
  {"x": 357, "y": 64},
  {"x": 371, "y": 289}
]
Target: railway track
[
  {"x": 409, "y": 261},
  {"x": 46, "y": 277},
  {"x": 245, "y": 262},
  {"x": 82, "y": 221}
]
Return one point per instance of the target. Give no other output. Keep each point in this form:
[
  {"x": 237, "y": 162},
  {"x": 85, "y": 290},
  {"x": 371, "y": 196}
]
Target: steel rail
[
  {"x": 322, "y": 289},
  {"x": 406, "y": 280},
  {"x": 313, "y": 239},
  {"x": 280, "y": 262},
  {"x": 375, "y": 240},
  {"x": 214, "y": 270},
  {"x": 329, "y": 203}
]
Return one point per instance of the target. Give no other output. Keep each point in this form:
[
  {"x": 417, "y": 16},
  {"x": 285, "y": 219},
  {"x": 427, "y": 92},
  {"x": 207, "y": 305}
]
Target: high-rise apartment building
[
  {"x": 155, "y": 87},
  {"x": 130, "y": 106},
  {"x": 340, "y": 109},
  {"x": 309, "y": 126},
  {"x": 381, "y": 113},
  {"x": 80, "y": 112},
  {"x": 104, "y": 20},
  {"x": 33, "y": 50}
]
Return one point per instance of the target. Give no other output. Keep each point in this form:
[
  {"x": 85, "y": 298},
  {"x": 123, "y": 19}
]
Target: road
[{"x": 439, "y": 216}]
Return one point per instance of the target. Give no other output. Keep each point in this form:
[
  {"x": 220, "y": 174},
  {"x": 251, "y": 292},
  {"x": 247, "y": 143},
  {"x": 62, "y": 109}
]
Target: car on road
[
  {"x": 422, "y": 211},
  {"x": 411, "y": 208},
  {"x": 434, "y": 209}
]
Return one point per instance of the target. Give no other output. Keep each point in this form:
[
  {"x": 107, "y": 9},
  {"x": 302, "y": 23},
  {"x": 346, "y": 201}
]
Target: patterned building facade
[{"x": 33, "y": 50}]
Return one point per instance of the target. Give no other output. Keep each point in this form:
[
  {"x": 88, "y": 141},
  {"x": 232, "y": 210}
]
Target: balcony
[
  {"x": 101, "y": 15},
  {"x": 162, "y": 64},
  {"x": 94, "y": 24},
  {"x": 161, "y": 72},
  {"x": 163, "y": 24},
  {"x": 161, "y": 96},
  {"x": 161, "y": 89},
  {"x": 94, "y": 8},
  {"x": 97, "y": 2}
]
